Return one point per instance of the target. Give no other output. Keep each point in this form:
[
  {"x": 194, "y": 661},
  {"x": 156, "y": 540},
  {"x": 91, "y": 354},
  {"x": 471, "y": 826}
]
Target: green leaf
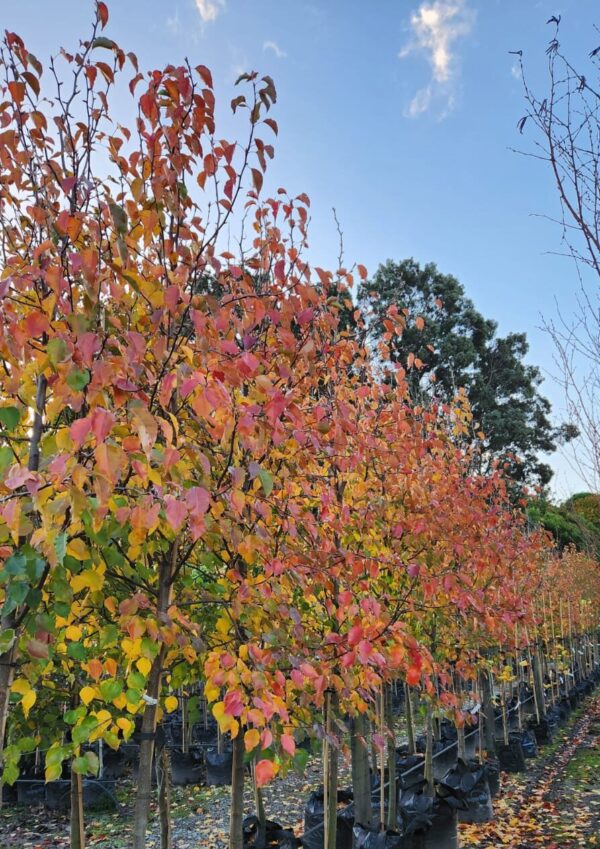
[
  {"x": 35, "y": 568},
  {"x": 71, "y": 716},
  {"x": 55, "y": 755},
  {"x": 9, "y": 417},
  {"x": 76, "y": 651},
  {"x": 133, "y": 696},
  {"x": 27, "y": 744},
  {"x": 93, "y": 763},
  {"x": 57, "y": 350},
  {"x": 266, "y": 480},
  {"x": 7, "y": 638},
  {"x": 16, "y": 594},
  {"x": 60, "y": 546},
  {"x": 10, "y": 773},
  {"x": 301, "y": 759},
  {"x": 16, "y": 564},
  {"x": 102, "y": 41},
  {"x": 78, "y": 380},
  {"x": 110, "y": 689},
  {"x": 6, "y": 457},
  {"x": 119, "y": 217},
  {"x": 136, "y": 680},
  {"x": 81, "y": 733}
]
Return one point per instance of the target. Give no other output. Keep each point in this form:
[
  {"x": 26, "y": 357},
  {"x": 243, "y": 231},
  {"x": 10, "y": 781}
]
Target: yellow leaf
[
  {"x": 89, "y": 578},
  {"x": 53, "y": 772},
  {"x": 21, "y": 686},
  {"x": 28, "y": 701},
  {"x": 251, "y": 739},
  {"x": 211, "y": 692},
  {"x": 86, "y": 694},
  {"x": 78, "y": 549},
  {"x": 126, "y": 725},
  {"x": 171, "y": 703},
  {"x": 120, "y": 701},
  {"x": 73, "y": 632},
  {"x": 144, "y": 665}
]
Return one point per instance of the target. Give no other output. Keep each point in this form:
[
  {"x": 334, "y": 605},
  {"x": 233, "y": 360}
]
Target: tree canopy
[{"x": 451, "y": 346}]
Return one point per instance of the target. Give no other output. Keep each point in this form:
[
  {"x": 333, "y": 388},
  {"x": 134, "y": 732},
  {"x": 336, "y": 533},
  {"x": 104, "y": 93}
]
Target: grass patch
[{"x": 584, "y": 766}]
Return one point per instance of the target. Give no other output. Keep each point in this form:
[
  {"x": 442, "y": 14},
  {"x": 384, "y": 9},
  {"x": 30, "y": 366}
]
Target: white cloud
[
  {"x": 272, "y": 45},
  {"x": 516, "y": 71},
  {"x": 210, "y": 9},
  {"x": 436, "y": 27}
]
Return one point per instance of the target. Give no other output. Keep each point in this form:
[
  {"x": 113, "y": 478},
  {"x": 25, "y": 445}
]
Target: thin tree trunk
[
  {"x": 236, "y": 822},
  {"x": 538, "y": 684},
  {"x": 361, "y": 784},
  {"x": 259, "y": 806},
  {"x": 410, "y": 722},
  {"x": 7, "y": 674},
  {"x": 330, "y": 773},
  {"x": 430, "y": 788},
  {"x": 163, "y": 781},
  {"x": 77, "y": 829},
  {"x": 461, "y": 748},
  {"x": 149, "y": 719},
  {"x": 489, "y": 717},
  {"x": 391, "y": 760}
]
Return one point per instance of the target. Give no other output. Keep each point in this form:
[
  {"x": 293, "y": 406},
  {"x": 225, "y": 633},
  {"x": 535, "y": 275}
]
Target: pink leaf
[
  {"x": 288, "y": 744},
  {"x": 176, "y": 512},
  {"x": 79, "y": 430}
]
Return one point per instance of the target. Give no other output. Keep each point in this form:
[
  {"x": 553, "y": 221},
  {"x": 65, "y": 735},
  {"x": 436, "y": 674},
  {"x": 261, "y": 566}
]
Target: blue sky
[{"x": 398, "y": 113}]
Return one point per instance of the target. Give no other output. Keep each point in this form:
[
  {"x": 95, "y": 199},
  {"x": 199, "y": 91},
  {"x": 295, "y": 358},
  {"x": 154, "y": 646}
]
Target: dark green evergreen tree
[{"x": 459, "y": 348}]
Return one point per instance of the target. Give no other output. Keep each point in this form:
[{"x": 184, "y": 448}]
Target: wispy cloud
[
  {"x": 272, "y": 45},
  {"x": 174, "y": 23},
  {"x": 210, "y": 9},
  {"x": 516, "y": 71},
  {"x": 435, "y": 28}
]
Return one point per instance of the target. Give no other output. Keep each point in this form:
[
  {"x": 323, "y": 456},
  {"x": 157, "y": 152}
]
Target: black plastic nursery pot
[
  {"x": 30, "y": 792},
  {"x": 114, "y": 764},
  {"x": 492, "y": 772},
  {"x": 479, "y": 804},
  {"x": 186, "y": 767},
  {"x": 510, "y": 755},
  {"x": 9, "y": 794},
  {"x": 442, "y": 833},
  {"x": 58, "y": 795},
  {"x": 314, "y": 828},
  {"x": 218, "y": 768},
  {"x": 275, "y": 836},
  {"x": 370, "y": 838},
  {"x": 542, "y": 731},
  {"x": 528, "y": 744},
  {"x": 410, "y": 769}
]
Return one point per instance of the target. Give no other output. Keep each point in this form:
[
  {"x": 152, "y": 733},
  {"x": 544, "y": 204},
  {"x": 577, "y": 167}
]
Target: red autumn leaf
[
  {"x": 102, "y": 11},
  {"x": 413, "y": 675},
  {"x": 265, "y": 772}
]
